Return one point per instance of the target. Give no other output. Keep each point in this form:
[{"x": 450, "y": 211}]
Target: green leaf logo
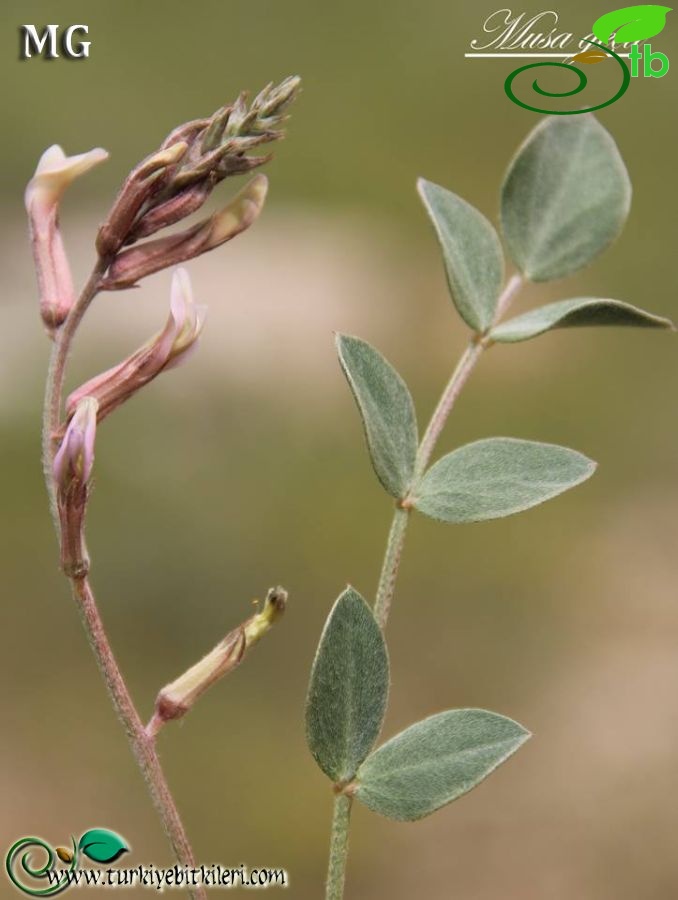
[
  {"x": 631, "y": 23},
  {"x": 102, "y": 845}
]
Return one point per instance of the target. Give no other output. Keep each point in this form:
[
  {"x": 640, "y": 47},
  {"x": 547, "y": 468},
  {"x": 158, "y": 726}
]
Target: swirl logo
[
  {"x": 46, "y": 880},
  {"x": 627, "y": 25}
]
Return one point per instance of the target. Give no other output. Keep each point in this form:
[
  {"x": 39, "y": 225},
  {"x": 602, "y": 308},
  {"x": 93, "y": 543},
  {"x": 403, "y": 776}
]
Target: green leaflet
[
  {"x": 498, "y": 477},
  {"x": 565, "y": 197},
  {"x": 348, "y": 690},
  {"x": 387, "y": 412},
  {"x": 472, "y": 253},
  {"x": 575, "y": 313},
  {"x": 435, "y": 761}
]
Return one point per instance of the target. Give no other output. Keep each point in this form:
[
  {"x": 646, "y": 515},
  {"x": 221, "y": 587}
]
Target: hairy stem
[
  {"x": 464, "y": 368},
  {"x": 143, "y": 744},
  {"x": 393, "y": 554},
  {"x": 459, "y": 377},
  {"x": 389, "y": 570},
  {"x": 336, "y": 870},
  {"x": 55, "y": 379}
]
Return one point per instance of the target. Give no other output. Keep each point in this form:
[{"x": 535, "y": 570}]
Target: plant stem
[
  {"x": 389, "y": 571},
  {"x": 396, "y": 537},
  {"x": 336, "y": 871},
  {"x": 394, "y": 549},
  {"x": 464, "y": 368},
  {"x": 459, "y": 377},
  {"x": 508, "y": 295},
  {"x": 55, "y": 379},
  {"x": 143, "y": 744}
]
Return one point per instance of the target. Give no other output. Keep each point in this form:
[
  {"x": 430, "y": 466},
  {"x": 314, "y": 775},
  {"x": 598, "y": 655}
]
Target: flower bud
[
  {"x": 54, "y": 172},
  {"x": 175, "y": 182},
  {"x": 142, "y": 184},
  {"x": 74, "y": 459},
  {"x": 186, "y": 132},
  {"x": 136, "y": 263},
  {"x": 177, "y": 698},
  {"x": 223, "y": 160},
  {"x": 173, "y": 210},
  {"x": 166, "y": 350},
  {"x": 72, "y": 467},
  {"x": 275, "y": 99},
  {"x": 240, "y": 213}
]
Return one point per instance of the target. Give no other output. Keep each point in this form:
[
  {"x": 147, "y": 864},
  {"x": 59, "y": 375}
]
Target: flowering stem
[
  {"x": 336, "y": 871},
  {"x": 142, "y": 743},
  {"x": 55, "y": 379}
]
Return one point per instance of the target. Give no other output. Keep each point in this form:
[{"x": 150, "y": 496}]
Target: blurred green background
[{"x": 247, "y": 467}]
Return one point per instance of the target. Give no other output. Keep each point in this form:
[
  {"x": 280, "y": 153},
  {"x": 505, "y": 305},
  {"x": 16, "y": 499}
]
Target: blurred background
[{"x": 247, "y": 468}]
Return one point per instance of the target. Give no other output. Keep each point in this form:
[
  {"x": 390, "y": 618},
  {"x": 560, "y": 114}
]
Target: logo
[
  {"x": 39, "y": 870},
  {"x": 46, "y": 44},
  {"x": 615, "y": 36},
  {"x": 98, "y": 844}
]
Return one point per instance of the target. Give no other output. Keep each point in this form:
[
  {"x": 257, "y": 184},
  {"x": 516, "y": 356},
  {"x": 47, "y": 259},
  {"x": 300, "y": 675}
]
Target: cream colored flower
[{"x": 55, "y": 171}]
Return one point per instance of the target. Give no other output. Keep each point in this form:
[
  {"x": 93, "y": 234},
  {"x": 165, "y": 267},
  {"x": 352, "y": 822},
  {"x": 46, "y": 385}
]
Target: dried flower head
[
  {"x": 166, "y": 350},
  {"x": 178, "y": 697},
  {"x": 54, "y": 172}
]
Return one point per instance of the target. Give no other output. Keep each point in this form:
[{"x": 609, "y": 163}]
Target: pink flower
[
  {"x": 55, "y": 171},
  {"x": 131, "y": 265},
  {"x": 168, "y": 349},
  {"x": 74, "y": 459}
]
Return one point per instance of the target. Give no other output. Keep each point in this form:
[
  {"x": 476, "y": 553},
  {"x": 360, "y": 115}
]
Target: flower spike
[{"x": 175, "y": 182}]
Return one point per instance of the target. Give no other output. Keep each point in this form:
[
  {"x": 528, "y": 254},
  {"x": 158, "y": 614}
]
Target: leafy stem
[
  {"x": 565, "y": 197},
  {"x": 394, "y": 549},
  {"x": 461, "y": 374}
]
